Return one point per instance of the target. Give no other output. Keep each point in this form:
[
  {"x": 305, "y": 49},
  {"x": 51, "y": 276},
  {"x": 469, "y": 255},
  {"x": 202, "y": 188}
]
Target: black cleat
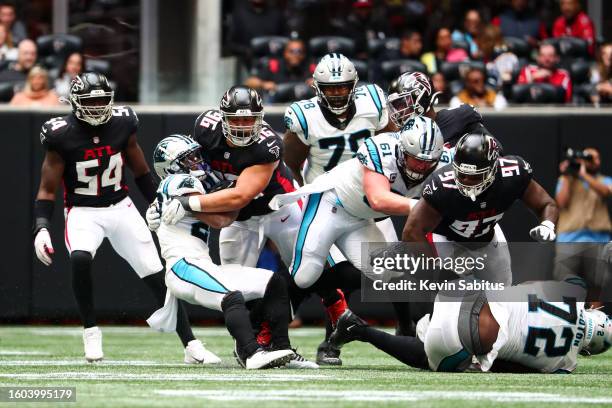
[
  {"x": 344, "y": 329},
  {"x": 328, "y": 355}
]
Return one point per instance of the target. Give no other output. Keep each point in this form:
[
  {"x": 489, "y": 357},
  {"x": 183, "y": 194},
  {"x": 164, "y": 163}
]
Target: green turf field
[{"x": 144, "y": 368}]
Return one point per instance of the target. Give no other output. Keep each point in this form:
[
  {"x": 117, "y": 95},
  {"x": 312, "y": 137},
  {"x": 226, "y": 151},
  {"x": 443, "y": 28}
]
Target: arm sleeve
[{"x": 295, "y": 121}]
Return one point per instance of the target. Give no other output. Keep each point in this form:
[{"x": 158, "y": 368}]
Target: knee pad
[
  {"x": 232, "y": 300},
  {"x": 80, "y": 260}
]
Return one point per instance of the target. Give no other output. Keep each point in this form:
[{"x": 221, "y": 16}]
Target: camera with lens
[{"x": 574, "y": 156}]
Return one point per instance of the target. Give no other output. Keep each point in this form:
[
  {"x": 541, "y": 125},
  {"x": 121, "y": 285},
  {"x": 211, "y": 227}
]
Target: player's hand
[
  {"x": 43, "y": 247},
  {"x": 173, "y": 212},
  {"x": 545, "y": 232},
  {"x": 153, "y": 216}
]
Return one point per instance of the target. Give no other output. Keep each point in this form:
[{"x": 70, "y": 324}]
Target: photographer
[{"x": 583, "y": 219}]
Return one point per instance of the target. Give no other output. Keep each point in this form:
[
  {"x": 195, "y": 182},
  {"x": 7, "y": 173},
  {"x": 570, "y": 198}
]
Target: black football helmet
[
  {"x": 475, "y": 163},
  {"x": 242, "y": 112},
  {"x": 91, "y": 97},
  {"x": 410, "y": 95}
]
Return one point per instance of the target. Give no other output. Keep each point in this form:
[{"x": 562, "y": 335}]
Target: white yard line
[
  {"x": 23, "y": 353},
  {"x": 376, "y": 395},
  {"x": 245, "y": 377},
  {"x": 82, "y": 362},
  {"x": 200, "y": 332}
]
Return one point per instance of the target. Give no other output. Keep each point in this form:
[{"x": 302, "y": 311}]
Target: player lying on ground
[
  {"x": 87, "y": 150},
  {"x": 527, "y": 334},
  {"x": 192, "y": 276},
  {"x": 327, "y": 130}
]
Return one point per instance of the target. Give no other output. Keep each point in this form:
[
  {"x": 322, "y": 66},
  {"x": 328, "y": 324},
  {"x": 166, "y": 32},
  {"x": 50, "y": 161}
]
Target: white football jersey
[
  {"x": 546, "y": 336},
  {"x": 189, "y": 237},
  {"x": 330, "y": 146},
  {"x": 378, "y": 154}
]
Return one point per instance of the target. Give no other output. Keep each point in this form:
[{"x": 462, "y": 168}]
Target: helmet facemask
[
  {"x": 95, "y": 108},
  {"x": 343, "y": 95},
  {"x": 415, "y": 168},
  {"x": 405, "y": 106},
  {"x": 242, "y": 127},
  {"x": 472, "y": 181}
]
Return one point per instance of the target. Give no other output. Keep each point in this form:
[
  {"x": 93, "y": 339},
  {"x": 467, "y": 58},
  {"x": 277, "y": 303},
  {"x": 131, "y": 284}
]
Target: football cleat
[
  {"x": 328, "y": 355},
  {"x": 196, "y": 353},
  {"x": 92, "y": 342},
  {"x": 344, "y": 329},
  {"x": 299, "y": 362},
  {"x": 268, "y": 359}
]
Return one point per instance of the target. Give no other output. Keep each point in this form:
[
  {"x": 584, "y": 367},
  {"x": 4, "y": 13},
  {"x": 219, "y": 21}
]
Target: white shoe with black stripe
[{"x": 300, "y": 363}]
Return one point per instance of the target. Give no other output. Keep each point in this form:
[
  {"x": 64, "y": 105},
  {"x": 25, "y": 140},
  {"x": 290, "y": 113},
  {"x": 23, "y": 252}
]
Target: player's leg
[
  {"x": 83, "y": 235},
  {"x": 498, "y": 263},
  {"x": 239, "y": 244},
  {"x": 132, "y": 240},
  {"x": 321, "y": 224}
]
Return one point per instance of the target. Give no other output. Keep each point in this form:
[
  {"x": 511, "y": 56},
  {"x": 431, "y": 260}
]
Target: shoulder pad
[
  {"x": 126, "y": 114},
  {"x": 208, "y": 122},
  {"x": 270, "y": 145},
  {"x": 52, "y": 129}
]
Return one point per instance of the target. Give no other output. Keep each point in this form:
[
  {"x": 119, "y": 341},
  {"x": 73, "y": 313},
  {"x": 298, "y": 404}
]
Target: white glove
[
  {"x": 545, "y": 232},
  {"x": 173, "y": 212},
  {"x": 43, "y": 246},
  {"x": 153, "y": 216}
]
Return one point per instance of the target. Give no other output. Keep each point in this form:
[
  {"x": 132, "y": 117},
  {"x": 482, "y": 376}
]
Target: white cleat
[
  {"x": 196, "y": 353},
  {"x": 92, "y": 342},
  {"x": 269, "y": 359},
  {"x": 300, "y": 363}
]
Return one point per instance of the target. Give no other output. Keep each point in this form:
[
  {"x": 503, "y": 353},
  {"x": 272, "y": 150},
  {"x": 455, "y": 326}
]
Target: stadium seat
[
  {"x": 393, "y": 69},
  {"x": 98, "y": 65},
  {"x": 268, "y": 46},
  {"x": 537, "y": 93},
  {"x": 290, "y": 92},
  {"x": 579, "y": 70},
  {"x": 7, "y": 90},
  {"x": 518, "y": 46},
  {"x": 378, "y": 48},
  {"x": 362, "y": 70},
  {"x": 570, "y": 47},
  {"x": 319, "y": 46},
  {"x": 54, "y": 48},
  {"x": 455, "y": 70}
]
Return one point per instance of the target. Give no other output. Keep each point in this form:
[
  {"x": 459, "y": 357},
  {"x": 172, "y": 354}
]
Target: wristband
[
  {"x": 43, "y": 211},
  {"x": 147, "y": 186},
  {"x": 191, "y": 203}
]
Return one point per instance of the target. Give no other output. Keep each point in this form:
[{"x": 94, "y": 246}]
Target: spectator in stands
[
  {"x": 435, "y": 58},
  {"x": 439, "y": 85},
  {"x": 73, "y": 66},
  {"x": 547, "y": 71},
  {"x": 472, "y": 26},
  {"x": 8, "y": 18},
  {"x": 26, "y": 58},
  {"x": 521, "y": 22},
  {"x": 411, "y": 45},
  {"x": 601, "y": 75},
  {"x": 574, "y": 22},
  {"x": 7, "y": 51},
  {"x": 362, "y": 25},
  {"x": 501, "y": 64},
  {"x": 475, "y": 93},
  {"x": 36, "y": 91},
  {"x": 293, "y": 67},
  {"x": 250, "y": 19}
]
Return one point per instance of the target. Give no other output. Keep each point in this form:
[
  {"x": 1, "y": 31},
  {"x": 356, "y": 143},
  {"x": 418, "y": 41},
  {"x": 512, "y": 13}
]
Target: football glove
[
  {"x": 175, "y": 210},
  {"x": 545, "y": 232},
  {"x": 153, "y": 216},
  {"x": 43, "y": 247}
]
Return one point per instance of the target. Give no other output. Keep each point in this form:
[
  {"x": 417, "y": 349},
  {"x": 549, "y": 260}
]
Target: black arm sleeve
[
  {"x": 147, "y": 186},
  {"x": 43, "y": 211}
]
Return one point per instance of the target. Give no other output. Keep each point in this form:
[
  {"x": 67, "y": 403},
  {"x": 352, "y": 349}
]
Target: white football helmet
[
  {"x": 335, "y": 79},
  {"x": 179, "y": 154},
  {"x": 421, "y": 144},
  {"x": 598, "y": 333}
]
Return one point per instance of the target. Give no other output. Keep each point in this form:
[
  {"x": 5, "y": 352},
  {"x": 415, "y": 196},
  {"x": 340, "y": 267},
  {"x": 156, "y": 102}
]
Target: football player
[
  {"x": 87, "y": 151},
  {"x": 192, "y": 276},
  {"x": 325, "y": 131},
  {"x": 463, "y": 201},
  {"x": 527, "y": 334}
]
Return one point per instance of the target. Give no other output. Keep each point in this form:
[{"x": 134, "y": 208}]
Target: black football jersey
[
  {"x": 466, "y": 220},
  {"x": 228, "y": 162},
  {"x": 94, "y": 171},
  {"x": 454, "y": 123}
]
